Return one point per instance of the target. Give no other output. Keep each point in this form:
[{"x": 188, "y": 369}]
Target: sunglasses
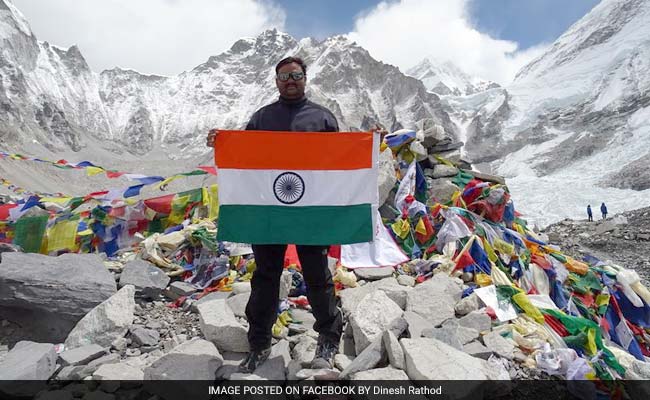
[{"x": 284, "y": 76}]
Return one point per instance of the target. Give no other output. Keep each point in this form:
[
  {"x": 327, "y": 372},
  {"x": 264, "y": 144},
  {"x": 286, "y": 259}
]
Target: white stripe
[{"x": 321, "y": 188}]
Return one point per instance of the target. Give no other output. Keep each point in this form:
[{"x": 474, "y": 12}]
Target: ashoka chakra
[{"x": 288, "y": 187}]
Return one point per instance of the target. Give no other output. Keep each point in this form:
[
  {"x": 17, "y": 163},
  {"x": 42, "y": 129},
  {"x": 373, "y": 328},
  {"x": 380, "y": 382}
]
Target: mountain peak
[{"x": 447, "y": 78}]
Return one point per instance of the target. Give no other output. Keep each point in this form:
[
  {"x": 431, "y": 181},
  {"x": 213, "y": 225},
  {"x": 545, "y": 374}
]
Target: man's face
[{"x": 291, "y": 89}]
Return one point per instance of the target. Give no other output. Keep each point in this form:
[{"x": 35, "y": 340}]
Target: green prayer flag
[{"x": 29, "y": 233}]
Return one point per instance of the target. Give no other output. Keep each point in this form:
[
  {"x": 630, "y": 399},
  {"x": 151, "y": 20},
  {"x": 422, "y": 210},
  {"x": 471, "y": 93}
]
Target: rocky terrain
[{"x": 623, "y": 238}]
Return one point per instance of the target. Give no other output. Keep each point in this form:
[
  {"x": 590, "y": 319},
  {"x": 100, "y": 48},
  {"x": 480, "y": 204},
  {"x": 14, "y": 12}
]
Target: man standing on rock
[
  {"x": 292, "y": 112},
  {"x": 603, "y": 210},
  {"x": 590, "y": 216}
]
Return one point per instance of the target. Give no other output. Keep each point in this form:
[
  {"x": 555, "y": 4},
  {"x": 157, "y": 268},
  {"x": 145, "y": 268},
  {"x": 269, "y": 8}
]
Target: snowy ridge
[
  {"x": 574, "y": 127},
  {"x": 448, "y": 79}
]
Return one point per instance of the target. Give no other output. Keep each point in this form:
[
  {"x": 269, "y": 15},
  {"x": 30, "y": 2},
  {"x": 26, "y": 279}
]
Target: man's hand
[{"x": 212, "y": 135}]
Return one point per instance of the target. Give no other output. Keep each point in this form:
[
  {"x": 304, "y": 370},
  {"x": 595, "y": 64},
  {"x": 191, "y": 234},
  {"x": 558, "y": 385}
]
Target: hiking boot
[
  {"x": 254, "y": 359},
  {"x": 325, "y": 352}
]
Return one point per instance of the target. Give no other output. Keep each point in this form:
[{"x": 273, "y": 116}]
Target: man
[
  {"x": 292, "y": 112},
  {"x": 603, "y": 210},
  {"x": 590, "y": 216}
]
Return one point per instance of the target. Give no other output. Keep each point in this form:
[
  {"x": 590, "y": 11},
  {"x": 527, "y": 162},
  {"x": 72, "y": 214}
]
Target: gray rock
[
  {"x": 145, "y": 337},
  {"x": 386, "y": 179},
  {"x": 193, "y": 360},
  {"x": 464, "y": 334},
  {"x": 369, "y": 358},
  {"x": 431, "y": 359},
  {"x": 605, "y": 226},
  {"x": 149, "y": 281},
  {"x": 439, "y": 148},
  {"x": 286, "y": 279},
  {"x": 29, "y": 361},
  {"x": 393, "y": 350},
  {"x": 106, "y": 322},
  {"x": 92, "y": 366},
  {"x": 47, "y": 295},
  {"x": 406, "y": 280},
  {"x": 305, "y": 350},
  {"x": 416, "y": 324},
  {"x": 435, "y": 299},
  {"x": 219, "y": 325},
  {"x": 441, "y": 190},
  {"x": 209, "y": 297},
  {"x": 118, "y": 372},
  {"x": 380, "y": 374},
  {"x": 374, "y": 274},
  {"x": 486, "y": 177},
  {"x": 72, "y": 373},
  {"x": 181, "y": 288},
  {"x": 443, "y": 171},
  {"x": 303, "y": 317},
  {"x": 478, "y": 320},
  {"x": 499, "y": 345},
  {"x": 341, "y": 361},
  {"x": 237, "y": 304},
  {"x": 468, "y": 304},
  {"x": 295, "y": 366},
  {"x": 231, "y": 361},
  {"x": 241, "y": 287},
  {"x": 476, "y": 349},
  {"x": 119, "y": 344},
  {"x": 325, "y": 374},
  {"x": 351, "y": 297},
  {"x": 81, "y": 355},
  {"x": 371, "y": 318}
]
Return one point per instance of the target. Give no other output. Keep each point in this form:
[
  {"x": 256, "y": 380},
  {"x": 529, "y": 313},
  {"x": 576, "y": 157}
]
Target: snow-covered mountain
[
  {"x": 448, "y": 79},
  {"x": 51, "y": 97},
  {"x": 574, "y": 127}
]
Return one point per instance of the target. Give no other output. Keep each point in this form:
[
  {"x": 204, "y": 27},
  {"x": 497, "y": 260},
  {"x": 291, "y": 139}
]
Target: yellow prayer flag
[
  {"x": 401, "y": 228},
  {"x": 420, "y": 227},
  {"x": 62, "y": 236},
  {"x": 492, "y": 256},
  {"x": 524, "y": 303},
  {"x": 57, "y": 200},
  {"x": 503, "y": 247},
  {"x": 92, "y": 171},
  {"x": 591, "y": 342},
  {"x": 178, "y": 209}
]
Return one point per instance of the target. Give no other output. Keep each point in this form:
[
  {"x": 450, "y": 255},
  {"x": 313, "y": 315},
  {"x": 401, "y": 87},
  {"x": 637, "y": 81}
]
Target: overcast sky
[{"x": 488, "y": 38}]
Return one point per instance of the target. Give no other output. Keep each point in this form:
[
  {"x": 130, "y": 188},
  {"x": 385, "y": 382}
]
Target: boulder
[
  {"x": 374, "y": 274},
  {"x": 219, "y": 325},
  {"x": 416, "y": 324},
  {"x": 208, "y": 297},
  {"x": 435, "y": 299},
  {"x": 29, "y": 361},
  {"x": 468, "y": 304},
  {"x": 351, "y": 297},
  {"x": 237, "y": 304},
  {"x": 499, "y": 345},
  {"x": 393, "y": 350},
  {"x": 369, "y": 358},
  {"x": 443, "y": 171},
  {"x": 441, "y": 190},
  {"x": 430, "y": 359},
  {"x": 149, "y": 281},
  {"x": 196, "y": 359},
  {"x": 81, "y": 355},
  {"x": 47, "y": 295},
  {"x": 371, "y": 318},
  {"x": 478, "y": 320},
  {"x": 106, "y": 322}
]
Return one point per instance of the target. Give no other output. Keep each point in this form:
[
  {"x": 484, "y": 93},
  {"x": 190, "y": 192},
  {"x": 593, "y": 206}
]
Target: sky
[{"x": 491, "y": 39}]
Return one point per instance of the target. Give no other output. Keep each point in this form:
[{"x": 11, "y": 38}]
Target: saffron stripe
[{"x": 293, "y": 150}]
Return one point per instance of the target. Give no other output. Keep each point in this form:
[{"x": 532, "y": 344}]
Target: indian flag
[{"x": 314, "y": 188}]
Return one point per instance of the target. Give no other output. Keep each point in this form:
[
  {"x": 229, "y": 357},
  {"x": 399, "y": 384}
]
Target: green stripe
[{"x": 313, "y": 225}]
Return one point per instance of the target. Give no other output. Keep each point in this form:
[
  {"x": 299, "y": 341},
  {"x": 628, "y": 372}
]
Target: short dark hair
[{"x": 290, "y": 60}]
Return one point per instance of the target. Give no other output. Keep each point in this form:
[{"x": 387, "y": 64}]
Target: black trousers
[{"x": 262, "y": 306}]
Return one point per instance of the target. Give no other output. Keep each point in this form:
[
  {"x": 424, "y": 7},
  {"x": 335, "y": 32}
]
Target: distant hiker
[
  {"x": 603, "y": 210},
  {"x": 292, "y": 112},
  {"x": 589, "y": 214}
]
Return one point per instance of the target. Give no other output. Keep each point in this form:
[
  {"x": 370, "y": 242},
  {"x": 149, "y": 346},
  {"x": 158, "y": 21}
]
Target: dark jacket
[
  {"x": 589, "y": 211},
  {"x": 603, "y": 208},
  {"x": 288, "y": 115}
]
